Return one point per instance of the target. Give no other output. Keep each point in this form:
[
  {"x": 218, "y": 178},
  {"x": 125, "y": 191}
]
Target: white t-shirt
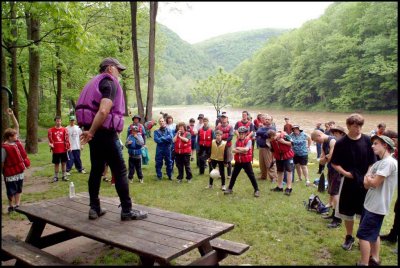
[
  {"x": 378, "y": 199},
  {"x": 74, "y": 132}
]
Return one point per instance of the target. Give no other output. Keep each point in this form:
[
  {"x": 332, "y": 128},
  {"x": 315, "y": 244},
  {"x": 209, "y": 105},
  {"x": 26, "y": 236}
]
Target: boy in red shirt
[{"x": 59, "y": 145}]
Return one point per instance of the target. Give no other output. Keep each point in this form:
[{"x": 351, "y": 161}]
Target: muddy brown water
[{"x": 306, "y": 120}]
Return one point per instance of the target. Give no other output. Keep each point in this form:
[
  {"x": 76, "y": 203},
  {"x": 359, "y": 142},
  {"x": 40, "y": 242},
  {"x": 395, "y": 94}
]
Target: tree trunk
[
  {"x": 14, "y": 71},
  {"x": 124, "y": 88},
  {"x": 136, "y": 59},
  {"x": 23, "y": 81},
  {"x": 5, "y": 123},
  {"x": 33, "y": 102},
  {"x": 59, "y": 86},
  {"x": 152, "y": 39}
]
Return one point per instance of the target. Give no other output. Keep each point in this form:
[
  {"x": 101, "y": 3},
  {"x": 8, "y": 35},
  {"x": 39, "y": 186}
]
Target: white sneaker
[
  {"x": 83, "y": 171},
  {"x": 223, "y": 188},
  {"x": 141, "y": 181},
  {"x": 308, "y": 183},
  {"x": 68, "y": 174},
  {"x": 209, "y": 186}
]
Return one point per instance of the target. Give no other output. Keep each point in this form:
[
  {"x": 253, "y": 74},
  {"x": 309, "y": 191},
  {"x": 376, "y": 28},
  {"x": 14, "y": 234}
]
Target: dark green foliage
[{"x": 345, "y": 60}]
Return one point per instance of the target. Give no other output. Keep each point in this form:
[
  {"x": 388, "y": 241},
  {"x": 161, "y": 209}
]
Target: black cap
[
  {"x": 200, "y": 116},
  {"x": 112, "y": 61}
]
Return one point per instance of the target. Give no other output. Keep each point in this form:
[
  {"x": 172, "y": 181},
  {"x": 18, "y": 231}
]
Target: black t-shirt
[
  {"x": 354, "y": 154},
  {"x": 107, "y": 88}
]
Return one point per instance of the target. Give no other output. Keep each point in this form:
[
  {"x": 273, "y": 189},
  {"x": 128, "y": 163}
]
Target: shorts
[
  {"x": 285, "y": 165},
  {"x": 333, "y": 181},
  {"x": 302, "y": 160},
  {"x": 14, "y": 187},
  {"x": 351, "y": 199},
  {"x": 370, "y": 226},
  {"x": 61, "y": 157}
]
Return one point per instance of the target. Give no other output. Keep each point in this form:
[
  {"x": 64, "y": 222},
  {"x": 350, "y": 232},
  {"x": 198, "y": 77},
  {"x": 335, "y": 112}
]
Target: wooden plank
[
  {"x": 28, "y": 254},
  {"x": 231, "y": 247},
  {"x": 211, "y": 258},
  {"x": 169, "y": 214}
]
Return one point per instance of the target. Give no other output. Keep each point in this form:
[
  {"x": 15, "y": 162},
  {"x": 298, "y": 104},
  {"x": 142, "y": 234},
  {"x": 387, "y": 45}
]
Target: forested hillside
[
  {"x": 346, "y": 60},
  {"x": 229, "y": 50}
]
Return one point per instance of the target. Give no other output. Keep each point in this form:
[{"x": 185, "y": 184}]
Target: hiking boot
[
  {"x": 389, "y": 237},
  {"x": 277, "y": 189},
  {"x": 336, "y": 222},
  {"x": 348, "y": 242},
  {"x": 94, "y": 214},
  {"x": 223, "y": 188},
  {"x": 170, "y": 178},
  {"x": 327, "y": 217},
  {"x": 10, "y": 210},
  {"x": 133, "y": 214},
  {"x": 288, "y": 191},
  {"x": 228, "y": 191},
  {"x": 257, "y": 193},
  {"x": 64, "y": 178},
  {"x": 373, "y": 262},
  {"x": 55, "y": 179}
]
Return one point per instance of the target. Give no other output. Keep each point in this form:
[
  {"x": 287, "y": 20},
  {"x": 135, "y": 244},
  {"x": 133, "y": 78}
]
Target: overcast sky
[{"x": 197, "y": 21}]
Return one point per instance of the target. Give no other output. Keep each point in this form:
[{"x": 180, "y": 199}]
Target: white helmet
[{"x": 214, "y": 174}]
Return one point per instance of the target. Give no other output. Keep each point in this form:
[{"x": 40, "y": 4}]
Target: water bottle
[{"x": 71, "y": 190}]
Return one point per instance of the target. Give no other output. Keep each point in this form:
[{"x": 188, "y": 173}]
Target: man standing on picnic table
[{"x": 100, "y": 111}]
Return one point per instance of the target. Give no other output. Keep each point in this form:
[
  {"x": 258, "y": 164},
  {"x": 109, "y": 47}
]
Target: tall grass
[{"x": 278, "y": 228}]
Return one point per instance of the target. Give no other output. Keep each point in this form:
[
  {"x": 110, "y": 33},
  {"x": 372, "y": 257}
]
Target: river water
[{"x": 306, "y": 120}]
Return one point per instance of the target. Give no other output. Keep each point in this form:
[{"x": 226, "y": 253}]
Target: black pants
[
  {"x": 106, "y": 148},
  {"x": 248, "y": 168},
  {"x": 221, "y": 168},
  {"x": 183, "y": 161},
  {"x": 135, "y": 164},
  {"x": 204, "y": 154}
]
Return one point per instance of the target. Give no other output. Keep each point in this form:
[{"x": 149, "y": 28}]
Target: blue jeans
[
  {"x": 74, "y": 158},
  {"x": 106, "y": 148}
]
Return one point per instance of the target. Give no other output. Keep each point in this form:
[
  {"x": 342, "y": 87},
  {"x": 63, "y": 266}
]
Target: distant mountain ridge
[
  {"x": 229, "y": 50},
  {"x": 201, "y": 59}
]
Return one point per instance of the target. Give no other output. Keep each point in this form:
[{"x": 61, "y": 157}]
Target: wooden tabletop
[{"x": 162, "y": 236}]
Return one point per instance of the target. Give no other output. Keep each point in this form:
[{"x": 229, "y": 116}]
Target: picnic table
[{"x": 160, "y": 238}]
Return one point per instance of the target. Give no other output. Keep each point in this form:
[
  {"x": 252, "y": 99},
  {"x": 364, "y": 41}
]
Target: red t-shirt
[{"x": 59, "y": 138}]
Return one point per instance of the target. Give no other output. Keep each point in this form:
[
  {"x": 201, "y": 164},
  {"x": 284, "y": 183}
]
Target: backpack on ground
[{"x": 315, "y": 204}]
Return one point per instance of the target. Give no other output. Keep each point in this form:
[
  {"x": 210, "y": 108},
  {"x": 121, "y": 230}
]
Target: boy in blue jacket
[{"x": 134, "y": 143}]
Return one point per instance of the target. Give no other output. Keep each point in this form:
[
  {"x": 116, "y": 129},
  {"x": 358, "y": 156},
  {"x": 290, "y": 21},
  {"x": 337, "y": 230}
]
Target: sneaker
[
  {"x": 179, "y": 181},
  {"x": 223, "y": 188},
  {"x": 288, "y": 191},
  {"x": 133, "y": 214},
  {"x": 159, "y": 178},
  {"x": 105, "y": 179},
  {"x": 389, "y": 237},
  {"x": 68, "y": 174},
  {"x": 228, "y": 191},
  {"x": 277, "y": 189},
  {"x": 299, "y": 179},
  {"x": 228, "y": 177},
  {"x": 335, "y": 223},
  {"x": 140, "y": 180},
  {"x": 348, "y": 242},
  {"x": 130, "y": 180},
  {"x": 83, "y": 171},
  {"x": 373, "y": 262},
  {"x": 308, "y": 183},
  {"x": 10, "y": 210},
  {"x": 189, "y": 181},
  {"x": 257, "y": 193},
  {"x": 65, "y": 178},
  {"x": 55, "y": 179},
  {"x": 169, "y": 178},
  {"x": 209, "y": 186},
  {"x": 327, "y": 217},
  {"x": 93, "y": 214}
]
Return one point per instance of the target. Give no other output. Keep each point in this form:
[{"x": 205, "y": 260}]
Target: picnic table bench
[
  {"x": 160, "y": 238},
  {"x": 26, "y": 254}
]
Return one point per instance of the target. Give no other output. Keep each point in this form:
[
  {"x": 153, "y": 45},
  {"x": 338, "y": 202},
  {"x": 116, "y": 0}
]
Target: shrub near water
[{"x": 278, "y": 228}]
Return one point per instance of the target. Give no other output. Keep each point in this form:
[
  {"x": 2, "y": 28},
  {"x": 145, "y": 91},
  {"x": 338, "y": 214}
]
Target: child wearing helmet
[
  {"x": 218, "y": 157},
  {"x": 243, "y": 156}
]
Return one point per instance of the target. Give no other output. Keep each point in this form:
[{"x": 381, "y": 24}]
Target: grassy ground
[{"x": 278, "y": 228}]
